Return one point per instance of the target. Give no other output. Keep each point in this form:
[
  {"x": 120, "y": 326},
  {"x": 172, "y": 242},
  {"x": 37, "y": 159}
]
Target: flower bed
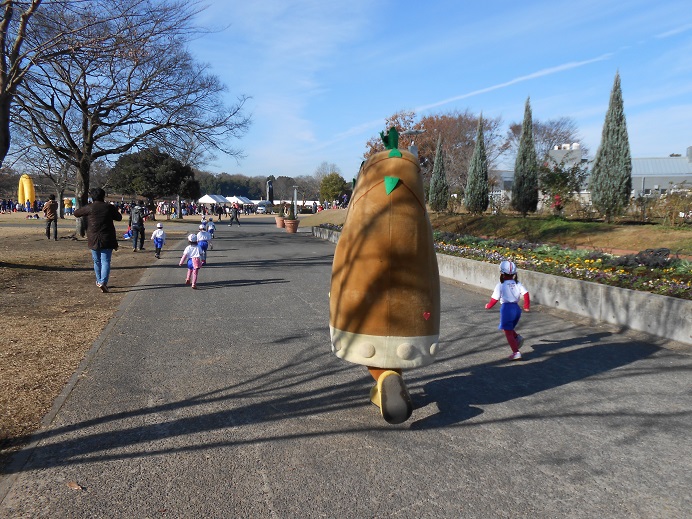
[{"x": 649, "y": 271}]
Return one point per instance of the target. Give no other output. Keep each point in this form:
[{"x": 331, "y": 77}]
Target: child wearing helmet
[
  {"x": 191, "y": 255},
  {"x": 159, "y": 239},
  {"x": 211, "y": 227},
  {"x": 203, "y": 242},
  {"x": 508, "y": 291}
]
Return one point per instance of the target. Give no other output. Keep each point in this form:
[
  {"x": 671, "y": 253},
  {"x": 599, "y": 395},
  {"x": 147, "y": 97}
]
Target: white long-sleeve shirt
[
  {"x": 159, "y": 233},
  {"x": 191, "y": 251}
]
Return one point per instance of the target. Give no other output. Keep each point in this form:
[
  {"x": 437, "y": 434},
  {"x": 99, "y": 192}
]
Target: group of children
[
  {"x": 195, "y": 254},
  {"x": 508, "y": 292}
]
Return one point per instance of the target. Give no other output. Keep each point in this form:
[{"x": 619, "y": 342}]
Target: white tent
[
  {"x": 240, "y": 199},
  {"x": 212, "y": 199}
]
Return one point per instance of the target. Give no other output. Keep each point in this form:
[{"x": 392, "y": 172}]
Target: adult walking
[
  {"x": 235, "y": 210},
  {"x": 137, "y": 226},
  {"x": 50, "y": 210},
  {"x": 101, "y": 236}
]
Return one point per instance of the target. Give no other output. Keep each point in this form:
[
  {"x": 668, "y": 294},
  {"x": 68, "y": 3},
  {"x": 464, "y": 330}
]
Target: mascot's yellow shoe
[
  {"x": 391, "y": 396},
  {"x": 375, "y": 396}
]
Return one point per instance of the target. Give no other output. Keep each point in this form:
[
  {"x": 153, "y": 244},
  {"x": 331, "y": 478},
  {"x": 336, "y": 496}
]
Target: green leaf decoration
[
  {"x": 394, "y": 153},
  {"x": 390, "y": 183}
]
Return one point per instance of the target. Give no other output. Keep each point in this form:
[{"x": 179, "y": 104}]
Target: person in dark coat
[{"x": 101, "y": 236}]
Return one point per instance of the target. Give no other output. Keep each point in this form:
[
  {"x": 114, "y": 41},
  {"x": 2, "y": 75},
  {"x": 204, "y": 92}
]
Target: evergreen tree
[
  {"x": 525, "y": 190},
  {"x": 438, "y": 196},
  {"x": 476, "y": 196},
  {"x": 611, "y": 175}
]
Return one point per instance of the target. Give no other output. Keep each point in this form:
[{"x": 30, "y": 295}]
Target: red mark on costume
[{"x": 426, "y": 315}]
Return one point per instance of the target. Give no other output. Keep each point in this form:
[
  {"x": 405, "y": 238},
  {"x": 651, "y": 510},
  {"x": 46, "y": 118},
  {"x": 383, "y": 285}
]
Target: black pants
[
  {"x": 137, "y": 235},
  {"x": 52, "y": 223}
]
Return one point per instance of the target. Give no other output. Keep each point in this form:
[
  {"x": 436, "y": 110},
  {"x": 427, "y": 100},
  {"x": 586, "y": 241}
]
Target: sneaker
[
  {"x": 187, "y": 281},
  {"x": 515, "y": 356},
  {"x": 520, "y": 341},
  {"x": 103, "y": 288},
  {"x": 194, "y": 286},
  {"x": 134, "y": 250}
]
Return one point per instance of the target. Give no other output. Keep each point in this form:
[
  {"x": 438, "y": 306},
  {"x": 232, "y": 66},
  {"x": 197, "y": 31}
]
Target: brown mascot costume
[{"x": 385, "y": 288}]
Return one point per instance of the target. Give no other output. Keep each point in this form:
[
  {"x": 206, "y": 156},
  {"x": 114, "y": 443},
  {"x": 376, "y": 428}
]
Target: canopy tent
[
  {"x": 239, "y": 199},
  {"x": 212, "y": 199}
]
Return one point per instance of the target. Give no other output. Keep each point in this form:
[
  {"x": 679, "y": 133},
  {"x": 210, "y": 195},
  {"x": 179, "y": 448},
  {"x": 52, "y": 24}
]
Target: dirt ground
[{"x": 52, "y": 312}]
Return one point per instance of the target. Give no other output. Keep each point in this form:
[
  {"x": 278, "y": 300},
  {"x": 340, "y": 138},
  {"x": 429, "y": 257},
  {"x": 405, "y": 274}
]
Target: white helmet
[
  {"x": 192, "y": 238},
  {"x": 508, "y": 267},
  {"x": 201, "y": 227},
  {"x": 159, "y": 225}
]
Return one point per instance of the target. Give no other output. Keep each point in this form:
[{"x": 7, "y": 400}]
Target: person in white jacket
[{"x": 159, "y": 239}]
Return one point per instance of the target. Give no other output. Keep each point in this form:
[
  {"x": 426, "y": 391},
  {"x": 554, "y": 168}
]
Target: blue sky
[{"x": 324, "y": 75}]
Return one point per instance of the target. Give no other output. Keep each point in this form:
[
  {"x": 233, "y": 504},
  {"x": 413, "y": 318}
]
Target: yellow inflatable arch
[{"x": 26, "y": 190}]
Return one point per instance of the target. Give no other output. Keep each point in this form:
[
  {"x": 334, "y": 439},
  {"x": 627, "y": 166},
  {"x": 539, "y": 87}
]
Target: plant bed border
[{"x": 654, "y": 314}]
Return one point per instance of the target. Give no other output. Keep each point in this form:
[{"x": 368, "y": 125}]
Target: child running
[
  {"x": 191, "y": 254},
  {"x": 508, "y": 291},
  {"x": 203, "y": 241},
  {"x": 159, "y": 239},
  {"x": 211, "y": 227}
]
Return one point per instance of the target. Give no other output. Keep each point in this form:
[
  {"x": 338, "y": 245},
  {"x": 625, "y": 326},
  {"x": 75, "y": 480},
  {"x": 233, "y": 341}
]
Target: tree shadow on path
[{"x": 545, "y": 368}]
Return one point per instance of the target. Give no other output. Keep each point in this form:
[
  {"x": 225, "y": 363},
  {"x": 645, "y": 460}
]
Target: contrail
[
  {"x": 356, "y": 130},
  {"x": 520, "y": 79}
]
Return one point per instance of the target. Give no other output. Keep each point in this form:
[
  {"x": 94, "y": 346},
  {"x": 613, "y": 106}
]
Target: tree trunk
[
  {"x": 82, "y": 194},
  {"x": 61, "y": 202},
  {"x": 5, "y": 103}
]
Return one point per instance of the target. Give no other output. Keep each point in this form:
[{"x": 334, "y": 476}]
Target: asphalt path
[{"x": 226, "y": 402}]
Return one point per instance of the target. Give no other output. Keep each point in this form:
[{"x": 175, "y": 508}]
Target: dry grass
[{"x": 52, "y": 314}]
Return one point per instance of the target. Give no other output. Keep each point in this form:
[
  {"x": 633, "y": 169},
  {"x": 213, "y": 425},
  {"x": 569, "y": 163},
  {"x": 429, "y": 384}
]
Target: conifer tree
[
  {"x": 611, "y": 175},
  {"x": 438, "y": 196},
  {"x": 525, "y": 190},
  {"x": 476, "y": 196}
]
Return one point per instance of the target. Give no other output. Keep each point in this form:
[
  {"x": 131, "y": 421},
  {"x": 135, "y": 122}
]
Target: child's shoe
[
  {"x": 194, "y": 286},
  {"x": 515, "y": 356},
  {"x": 187, "y": 282}
]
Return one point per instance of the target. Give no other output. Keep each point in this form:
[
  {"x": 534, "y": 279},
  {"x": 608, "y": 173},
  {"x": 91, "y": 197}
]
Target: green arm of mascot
[{"x": 384, "y": 307}]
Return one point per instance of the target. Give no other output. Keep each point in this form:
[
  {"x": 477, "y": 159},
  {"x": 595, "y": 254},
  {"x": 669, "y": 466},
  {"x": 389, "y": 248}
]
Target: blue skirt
[{"x": 509, "y": 316}]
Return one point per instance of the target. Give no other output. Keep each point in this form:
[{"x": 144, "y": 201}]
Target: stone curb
[{"x": 653, "y": 314}]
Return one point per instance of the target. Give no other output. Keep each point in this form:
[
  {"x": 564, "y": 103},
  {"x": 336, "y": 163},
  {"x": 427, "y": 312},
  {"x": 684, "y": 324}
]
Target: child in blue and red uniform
[
  {"x": 508, "y": 291},
  {"x": 191, "y": 257}
]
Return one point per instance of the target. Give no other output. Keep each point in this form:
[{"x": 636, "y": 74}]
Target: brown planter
[
  {"x": 291, "y": 225},
  {"x": 279, "y": 221}
]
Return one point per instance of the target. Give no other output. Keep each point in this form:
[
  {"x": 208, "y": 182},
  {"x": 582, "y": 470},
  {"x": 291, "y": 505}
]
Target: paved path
[{"x": 225, "y": 402}]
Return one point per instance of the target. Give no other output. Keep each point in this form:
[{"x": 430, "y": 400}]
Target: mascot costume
[{"x": 384, "y": 307}]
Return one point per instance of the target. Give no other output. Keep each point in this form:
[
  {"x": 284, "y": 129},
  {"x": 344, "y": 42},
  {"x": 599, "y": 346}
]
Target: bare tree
[
  {"x": 14, "y": 60},
  {"x": 458, "y": 133},
  {"x": 26, "y": 39},
  {"x": 546, "y": 135},
  {"x": 134, "y": 87},
  {"x": 324, "y": 169}
]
